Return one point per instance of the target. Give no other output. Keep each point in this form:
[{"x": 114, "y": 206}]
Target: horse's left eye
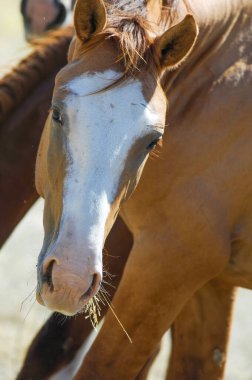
[
  {"x": 153, "y": 144},
  {"x": 56, "y": 116}
]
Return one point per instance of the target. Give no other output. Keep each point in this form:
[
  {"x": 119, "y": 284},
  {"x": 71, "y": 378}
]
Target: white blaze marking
[{"x": 102, "y": 129}]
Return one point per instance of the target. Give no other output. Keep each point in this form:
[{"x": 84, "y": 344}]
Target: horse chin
[
  {"x": 68, "y": 310},
  {"x": 68, "y": 313}
]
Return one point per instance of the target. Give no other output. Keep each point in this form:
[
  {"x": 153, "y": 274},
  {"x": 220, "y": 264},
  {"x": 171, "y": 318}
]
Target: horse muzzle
[{"x": 65, "y": 287}]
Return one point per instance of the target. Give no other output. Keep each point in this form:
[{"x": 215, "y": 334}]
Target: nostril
[
  {"x": 47, "y": 275},
  {"x": 92, "y": 290}
]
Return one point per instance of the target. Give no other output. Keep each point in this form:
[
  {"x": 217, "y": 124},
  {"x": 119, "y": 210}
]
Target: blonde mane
[
  {"x": 130, "y": 33},
  {"x": 133, "y": 36}
]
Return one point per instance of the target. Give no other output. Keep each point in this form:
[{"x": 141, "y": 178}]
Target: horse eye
[
  {"x": 56, "y": 116},
  {"x": 153, "y": 144}
]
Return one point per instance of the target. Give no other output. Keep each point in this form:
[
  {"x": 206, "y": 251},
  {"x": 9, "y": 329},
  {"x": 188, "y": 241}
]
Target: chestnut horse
[
  {"x": 190, "y": 215},
  {"x": 25, "y": 94}
]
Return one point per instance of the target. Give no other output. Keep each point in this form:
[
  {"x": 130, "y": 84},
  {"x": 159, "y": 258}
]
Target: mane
[
  {"x": 170, "y": 11},
  {"x": 134, "y": 36},
  {"x": 131, "y": 34},
  {"x": 49, "y": 53}
]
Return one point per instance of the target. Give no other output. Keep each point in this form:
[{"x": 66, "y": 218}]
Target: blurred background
[
  {"x": 12, "y": 41},
  {"x": 18, "y": 322},
  {"x": 20, "y": 315}
]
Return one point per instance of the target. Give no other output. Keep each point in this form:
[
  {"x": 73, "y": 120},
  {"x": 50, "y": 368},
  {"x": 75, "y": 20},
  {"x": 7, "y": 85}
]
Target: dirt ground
[{"x": 20, "y": 315}]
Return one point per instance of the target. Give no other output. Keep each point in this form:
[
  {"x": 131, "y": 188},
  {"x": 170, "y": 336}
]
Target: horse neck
[
  {"x": 220, "y": 22},
  {"x": 47, "y": 57}
]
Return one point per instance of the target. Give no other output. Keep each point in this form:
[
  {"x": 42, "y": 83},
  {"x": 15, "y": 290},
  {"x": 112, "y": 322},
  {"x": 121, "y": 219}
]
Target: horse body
[
  {"x": 190, "y": 214},
  {"x": 218, "y": 77}
]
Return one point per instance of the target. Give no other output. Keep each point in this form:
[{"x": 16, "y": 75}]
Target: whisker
[
  {"x": 106, "y": 253},
  {"x": 109, "y": 275},
  {"x": 30, "y": 309},
  {"x": 63, "y": 319},
  {"x": 107, "y": 283},
  {"x": 26, "y": 298},
  {"x": 105, "y": 291},
  {"x": 105, "y": 295}
]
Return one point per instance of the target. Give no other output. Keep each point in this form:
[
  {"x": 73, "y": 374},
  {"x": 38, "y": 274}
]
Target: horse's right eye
[
  {"x": 153, "y": 144},
  {"x": 56, "y": 116}
]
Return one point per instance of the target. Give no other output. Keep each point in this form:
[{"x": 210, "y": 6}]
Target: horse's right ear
[{"x": 90, "y": 18}]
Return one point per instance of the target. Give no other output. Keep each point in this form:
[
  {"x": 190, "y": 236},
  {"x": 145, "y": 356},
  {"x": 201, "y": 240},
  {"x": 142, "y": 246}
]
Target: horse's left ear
[
  {"x": 176, "y": 43},
  {"x": 90, "y": 18}
]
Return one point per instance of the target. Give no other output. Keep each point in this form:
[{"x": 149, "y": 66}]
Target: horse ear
[
  {"x": 89, "y": 18},
  {"x": 177, "y": 42}
]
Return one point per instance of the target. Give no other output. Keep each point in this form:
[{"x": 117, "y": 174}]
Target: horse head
[{"x": 108, "y": 113}]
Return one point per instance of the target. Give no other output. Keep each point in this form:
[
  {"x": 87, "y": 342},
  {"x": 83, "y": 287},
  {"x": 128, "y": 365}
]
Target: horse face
[
  {"x": 98, "y": 143},
  {"x": 94, "y": 147}
]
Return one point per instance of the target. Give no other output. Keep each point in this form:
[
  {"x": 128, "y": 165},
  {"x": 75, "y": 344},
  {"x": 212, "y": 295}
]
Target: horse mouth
[{"x": 65, "y": 308}]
